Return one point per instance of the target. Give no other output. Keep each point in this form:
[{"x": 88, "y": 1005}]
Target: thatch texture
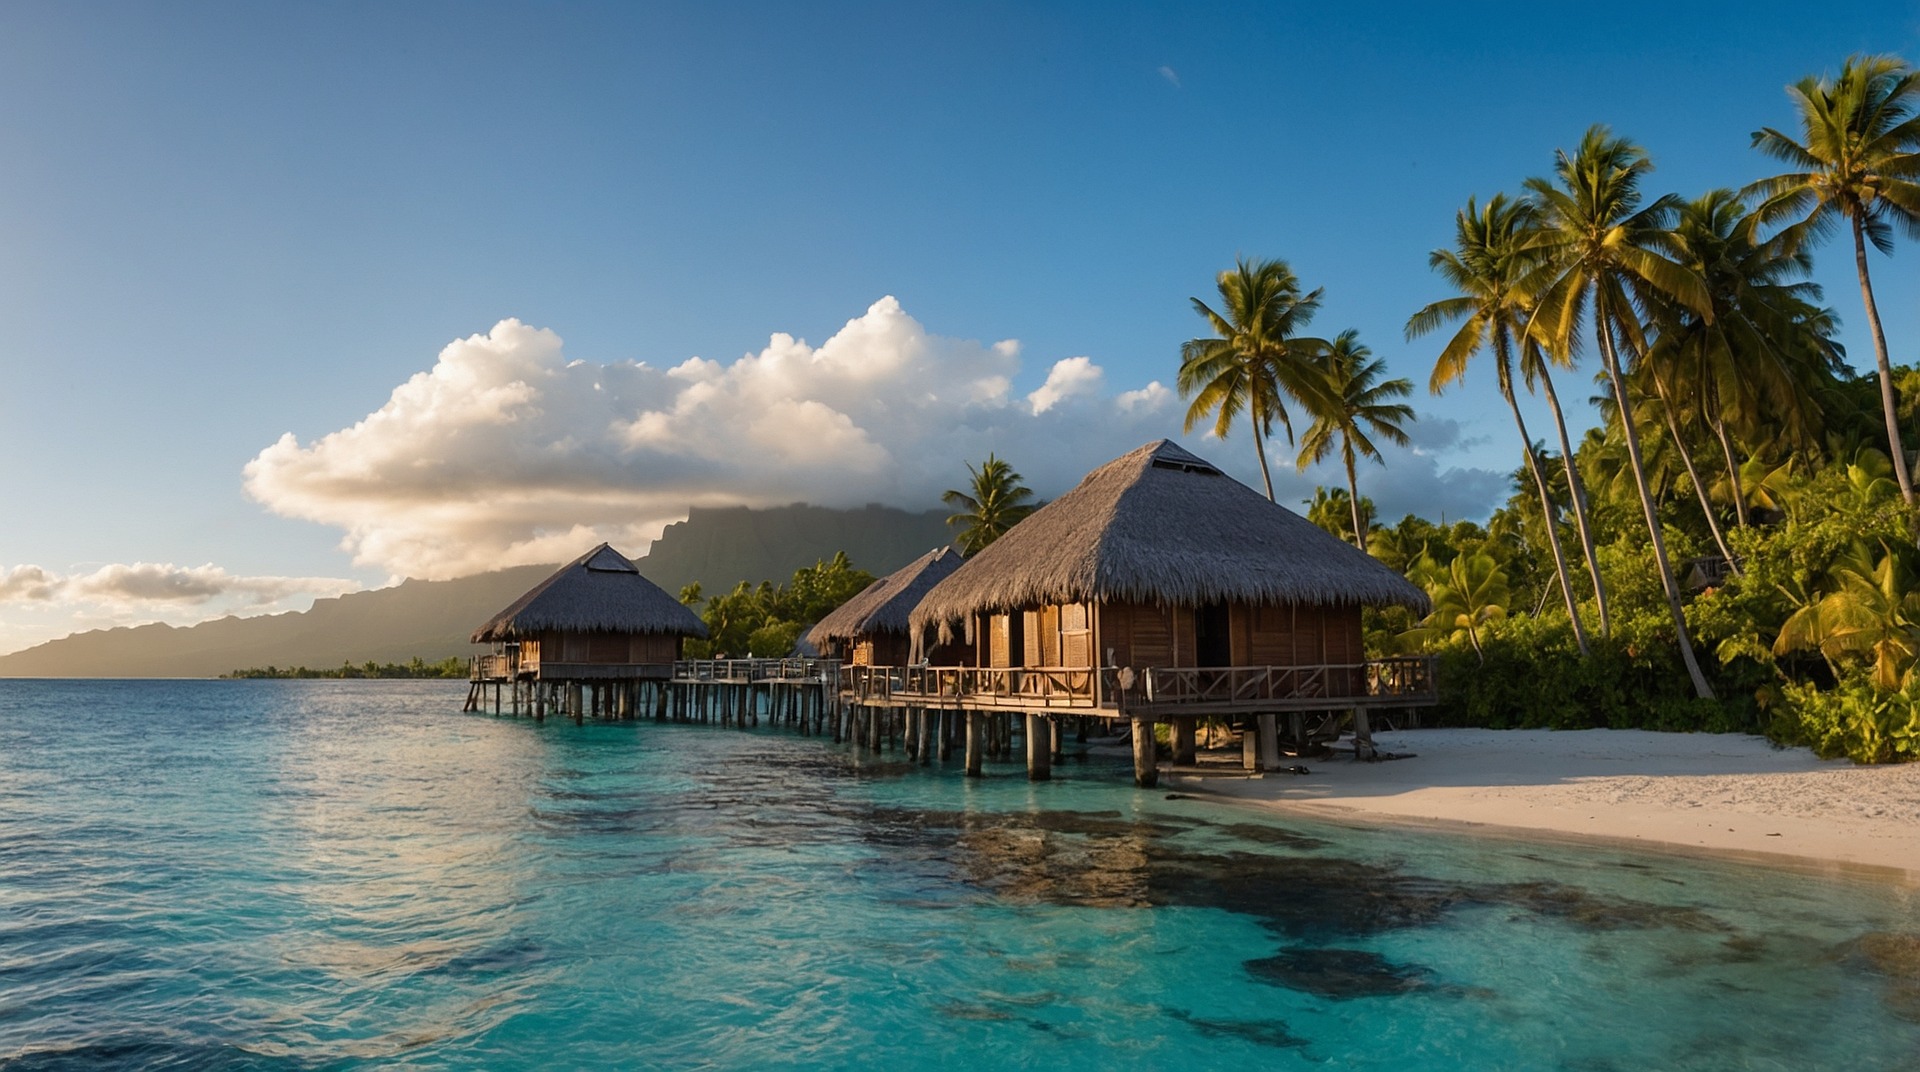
[
  {"x": 599, "y": 592},
  {"x": 1161, "y": 525},
  {"x": 883, "y": 606}
]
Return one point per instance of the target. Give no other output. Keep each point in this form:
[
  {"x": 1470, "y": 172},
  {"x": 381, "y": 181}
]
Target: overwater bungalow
[
  {"x": 1161, "y": 589},
  {"x": 585, "y": 638},
  {"x": 871, "y": 628}
]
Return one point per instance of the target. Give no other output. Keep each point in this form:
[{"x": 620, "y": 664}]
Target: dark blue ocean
[{"x": 348, "y": 875}]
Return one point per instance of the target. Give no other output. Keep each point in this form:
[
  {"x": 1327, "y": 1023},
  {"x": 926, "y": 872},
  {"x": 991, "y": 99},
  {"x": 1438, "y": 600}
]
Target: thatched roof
[
  {"x": 1161, "y": 525},
  {"x": 883, "y": 606},
  {"x": 599, "y": 592}
]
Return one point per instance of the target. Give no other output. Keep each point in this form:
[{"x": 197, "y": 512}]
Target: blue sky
[{"x": 223, "y": 224}]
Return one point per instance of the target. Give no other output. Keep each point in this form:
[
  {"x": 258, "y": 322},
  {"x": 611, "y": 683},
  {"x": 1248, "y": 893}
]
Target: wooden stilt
[
  {"x": 1039, "y": 747},
  {"x": 976, "y": 742},
  {"x": 1269, "y": 742},
  {"x": 1186, "y": 731},
  {"x": 1146, "y": 765}
]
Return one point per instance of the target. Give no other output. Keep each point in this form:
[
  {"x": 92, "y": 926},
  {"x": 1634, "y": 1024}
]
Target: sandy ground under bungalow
[{"x": 1672, "y": 792}]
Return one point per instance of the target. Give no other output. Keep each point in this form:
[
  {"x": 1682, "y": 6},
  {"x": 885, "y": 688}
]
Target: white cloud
[
  {"x": 1069, "y": 377},
  {"x": 508, "y": 452},
  {"x": 27, "y": 583},
  {"x": 1153, "y": 396},
  {"x": 1172, "y": 76},
  {"x": 157, "y": 583},
  {"x": 150, "y": 585},
  {"x": 40, "y": 604}
]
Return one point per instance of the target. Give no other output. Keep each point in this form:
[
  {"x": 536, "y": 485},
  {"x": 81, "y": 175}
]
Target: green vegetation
[
  {"x": 766, "y": 620},
  {"x": 1744, "y": 516},
  {"x": 453, "y": 667},
  {"x": 995, "y": 501}
]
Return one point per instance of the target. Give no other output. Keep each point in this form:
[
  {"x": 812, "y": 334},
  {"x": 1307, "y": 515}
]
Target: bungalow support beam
[
  {"x": 1039, "y": 747},
  {"x": 1146, "y": 765}
]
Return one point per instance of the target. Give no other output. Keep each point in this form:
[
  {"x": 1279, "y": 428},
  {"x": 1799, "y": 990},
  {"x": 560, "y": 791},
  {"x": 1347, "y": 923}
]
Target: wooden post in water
[
  {"x": 1362, "y": 735},
  {"x": 945, "y": 734},
  {"x": 1185, "y": 745},
  {"x": 1146, "y": 765},
  {"x": 976, "y": 745},
  {"x": 1039, "y": 747},
  {"x": 1269, "y": 742},
  {"x": 1057, "y": 730}
]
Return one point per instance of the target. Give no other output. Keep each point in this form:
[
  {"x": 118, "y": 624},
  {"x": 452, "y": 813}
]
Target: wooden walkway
[{"x": 929, "y": 713}]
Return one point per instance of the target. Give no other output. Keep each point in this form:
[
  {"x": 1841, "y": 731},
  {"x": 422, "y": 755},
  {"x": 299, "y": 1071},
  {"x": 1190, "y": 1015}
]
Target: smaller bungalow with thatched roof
[
  {"x": 871, "y": 628},
  {"x": 595, "y": 619},
  {"x": 1162, "y": 589}
]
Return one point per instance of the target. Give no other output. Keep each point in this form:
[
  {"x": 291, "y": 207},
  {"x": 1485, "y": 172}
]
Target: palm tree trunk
[
  {"x": 1261, "y": 449},
  {"x": 1693, "y": 475},
  {"x": 1605, "y": 331},
  {"x": 1733, "y": 472},
  {"x": 1577, "y": 489},
  {"x": 1353, "y": 498},
  {"x": 1546, "y": 510},
  {"x": 1886, "y": 369}
]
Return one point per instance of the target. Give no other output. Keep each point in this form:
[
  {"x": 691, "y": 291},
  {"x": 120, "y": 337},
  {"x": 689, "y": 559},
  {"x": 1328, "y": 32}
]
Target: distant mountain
[
  {"x": 722, "y": 545},
  {"x": 432, "y": 619}
]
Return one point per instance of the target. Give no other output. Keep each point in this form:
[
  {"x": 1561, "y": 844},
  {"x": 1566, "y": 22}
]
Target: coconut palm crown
[
  {"x": 1255, "y": 360},
  {"x": 1352, "y": 402},
  {"x": 995, "y": 501}
]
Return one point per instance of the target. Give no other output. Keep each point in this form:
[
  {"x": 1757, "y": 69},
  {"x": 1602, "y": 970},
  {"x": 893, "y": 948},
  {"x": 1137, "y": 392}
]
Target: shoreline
[{"x": 1733, "y": 796}]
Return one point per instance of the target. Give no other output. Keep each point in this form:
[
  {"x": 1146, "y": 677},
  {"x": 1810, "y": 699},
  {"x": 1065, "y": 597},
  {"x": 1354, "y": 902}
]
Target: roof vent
[
  {"x": 1180, "y": 466},
  {"x": 608, "y": 560}
]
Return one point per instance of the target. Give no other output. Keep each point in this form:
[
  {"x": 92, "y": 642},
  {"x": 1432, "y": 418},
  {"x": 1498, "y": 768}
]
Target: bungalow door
[{"x": 1212, "y": 635}]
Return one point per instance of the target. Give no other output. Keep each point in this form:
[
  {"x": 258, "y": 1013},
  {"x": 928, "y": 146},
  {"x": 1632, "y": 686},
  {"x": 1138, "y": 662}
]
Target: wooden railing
[
  {"x": 1022, "y": 686},
  {"x": 755, "y": 670},
  {"x": 1402, "y": 681},
  {"x": 491, "y": 667}
]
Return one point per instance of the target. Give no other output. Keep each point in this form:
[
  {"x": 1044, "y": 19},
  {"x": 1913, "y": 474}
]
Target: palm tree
[
  {"x": 995, "y": 502},
  {"x": 1603, "y": 249},
  {"x": 1254, "y": 357},
  {"x": 1875, "y": 610},
  {"x": 1488, "y": 261},
  {"x": 1469, "y": 593},
  {"x": 1352, "y": 401},
  {"x": 1758, "y": 366},
  {"x": 1858, "y": 163}
]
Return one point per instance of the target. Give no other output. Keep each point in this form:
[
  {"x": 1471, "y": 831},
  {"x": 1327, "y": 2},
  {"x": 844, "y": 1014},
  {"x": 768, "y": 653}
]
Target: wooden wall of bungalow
[
  {"x": 896, "y": 649},
  {"x": 873, "y": 649},
  {"x": 1141, "y": 635},
  {"x": 600, "y": 649}
]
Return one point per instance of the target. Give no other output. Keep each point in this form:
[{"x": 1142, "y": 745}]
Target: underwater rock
[
  {"x": 1273, "y": 835},
  {"x": 1589, "y": 911},
  {"x": 1895, "y": 957},
  {"x": 1259, "y": 1032},
  {"x": 1340, "y": 974}
]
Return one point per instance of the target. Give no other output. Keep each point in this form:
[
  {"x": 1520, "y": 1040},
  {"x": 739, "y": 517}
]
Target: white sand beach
[{"x": 1667, "y": 791}]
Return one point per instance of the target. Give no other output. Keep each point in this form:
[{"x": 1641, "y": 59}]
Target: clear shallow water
[{"x": 345, "y": 875}]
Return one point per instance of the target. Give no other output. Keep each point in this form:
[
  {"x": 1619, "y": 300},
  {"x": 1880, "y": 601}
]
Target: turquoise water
[{"x": 346, "y": 875}]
